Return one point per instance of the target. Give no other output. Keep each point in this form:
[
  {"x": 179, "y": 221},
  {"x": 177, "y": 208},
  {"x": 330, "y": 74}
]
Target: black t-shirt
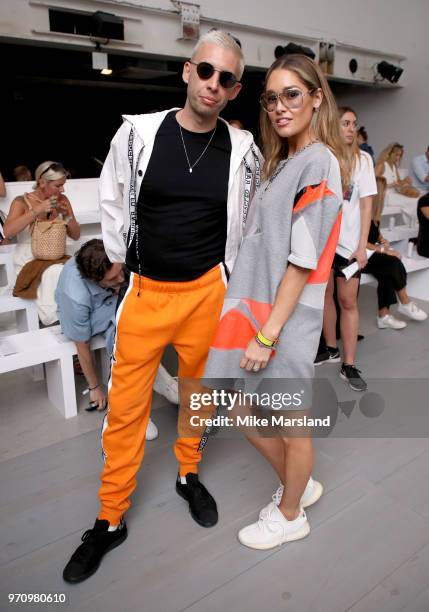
[
  {"x": 423, "y": 237},
  {"x": 182, "y": 216}
]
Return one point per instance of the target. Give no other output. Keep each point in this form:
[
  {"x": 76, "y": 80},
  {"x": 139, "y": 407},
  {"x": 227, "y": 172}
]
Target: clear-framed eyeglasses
[{"x": 291, "y": 99}]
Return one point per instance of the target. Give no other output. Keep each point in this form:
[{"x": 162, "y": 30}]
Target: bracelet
[
  {"x": 86, "y": 391},
  {"x": 263, "y": 341}
]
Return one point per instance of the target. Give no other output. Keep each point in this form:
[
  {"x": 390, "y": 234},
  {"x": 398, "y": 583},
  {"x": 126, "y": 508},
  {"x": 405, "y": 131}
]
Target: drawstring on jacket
[{"x": 132, "y": 198}]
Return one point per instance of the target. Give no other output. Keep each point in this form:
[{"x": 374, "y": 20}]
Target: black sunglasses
[
  {"x": 205, "y": 71},
  {"x": 55, "y": 166}
]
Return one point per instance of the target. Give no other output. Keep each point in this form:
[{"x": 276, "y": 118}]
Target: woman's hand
[
  {"x": 361, "y": 257},
  {"x": 393, "y": 253},
  {"x": 44, "y": 206},
  {"x": 255, "y": 357},
  {"x": 64, "y": 206},
  {"x": 97, "y": 396}
]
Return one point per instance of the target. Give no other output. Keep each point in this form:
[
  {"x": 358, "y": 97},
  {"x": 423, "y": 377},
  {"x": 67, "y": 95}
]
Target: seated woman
[
  {"x": 47, "y": 201},
  {"x": 386, "y": 265},
  {"x": 387, "y": 167},
  {"x": 423, "y": 217}
]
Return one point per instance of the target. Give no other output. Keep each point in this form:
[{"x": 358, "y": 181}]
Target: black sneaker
[
  {"x": 352, "y": 375},
  {"x": 202, "y": 506},
  {"x": 331, "y": 355},
  {"x": 87, "y": 557}
]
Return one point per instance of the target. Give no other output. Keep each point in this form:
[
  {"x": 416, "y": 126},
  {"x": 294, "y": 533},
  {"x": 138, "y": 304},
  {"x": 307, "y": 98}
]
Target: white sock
[
  {"x": 183, "y": 480},
  {"x": 113, "y": 527}
]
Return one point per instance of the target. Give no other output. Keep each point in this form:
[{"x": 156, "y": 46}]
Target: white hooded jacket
[{"x": 125, "y": 167}]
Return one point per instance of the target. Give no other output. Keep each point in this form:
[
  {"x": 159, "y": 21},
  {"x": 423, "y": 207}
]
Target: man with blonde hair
[{"x": 175, "y": 191}]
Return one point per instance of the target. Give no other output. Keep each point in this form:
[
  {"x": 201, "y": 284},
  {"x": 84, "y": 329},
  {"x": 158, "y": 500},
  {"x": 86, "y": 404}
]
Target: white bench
[
  {"x": 399, "y": 232},
  {"x": 27, "y": 319},
  {"x": 48, "y": 346},
  {"x": 399, "y": 236},
  {"x": 7, "y": 268},
  {"x": 25, "y": 311},
  {"x": 417, "y": 276},
  {"x": 90, "y": 223}
]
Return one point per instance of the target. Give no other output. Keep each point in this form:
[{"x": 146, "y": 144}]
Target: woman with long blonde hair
[
  {"x": 387, "y": 166},
  {"x": 351, "y": 246},
  {"x": 272, "y": 315}
]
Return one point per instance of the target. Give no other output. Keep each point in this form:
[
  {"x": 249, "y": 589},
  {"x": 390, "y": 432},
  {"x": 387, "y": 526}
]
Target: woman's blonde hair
[
  {"x": 378, "y": 199},
  {"x": 49, "y": 171},
  {"x": 387, "y": 152},
  {"x": 324, "y": 124}
]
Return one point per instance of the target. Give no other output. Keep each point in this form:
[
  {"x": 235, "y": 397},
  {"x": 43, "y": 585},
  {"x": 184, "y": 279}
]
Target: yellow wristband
[{"x": 263, "y": 340}]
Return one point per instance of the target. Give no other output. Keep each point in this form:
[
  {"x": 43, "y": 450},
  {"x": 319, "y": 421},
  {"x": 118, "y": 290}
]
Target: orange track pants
[{"x": 184, "y": 314}]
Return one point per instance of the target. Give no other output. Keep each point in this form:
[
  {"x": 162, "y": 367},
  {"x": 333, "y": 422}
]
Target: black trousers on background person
[{"x": 390, "y": 274}]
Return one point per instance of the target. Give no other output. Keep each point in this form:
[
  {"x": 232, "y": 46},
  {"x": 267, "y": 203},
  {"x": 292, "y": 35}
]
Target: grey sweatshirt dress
[{"x": 295, "y": 217}]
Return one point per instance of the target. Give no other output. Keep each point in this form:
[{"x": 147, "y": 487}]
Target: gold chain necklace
[{"x": 285, "y": 161}]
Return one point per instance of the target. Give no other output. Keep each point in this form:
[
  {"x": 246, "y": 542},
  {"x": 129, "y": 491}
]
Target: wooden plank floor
[{"x": 368, "y": 550}]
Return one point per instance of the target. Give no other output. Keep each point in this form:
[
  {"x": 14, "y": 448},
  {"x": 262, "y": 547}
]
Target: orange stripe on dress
[
  {"x": 260, "y": 310},
  {"x": 234, "y": 331},
  {"x": 321, "y": 274},
  {"x": 311, "y": 195}
]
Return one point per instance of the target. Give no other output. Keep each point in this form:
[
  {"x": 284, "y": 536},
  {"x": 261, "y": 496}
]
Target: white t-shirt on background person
[{"x": 363, "y": 184}]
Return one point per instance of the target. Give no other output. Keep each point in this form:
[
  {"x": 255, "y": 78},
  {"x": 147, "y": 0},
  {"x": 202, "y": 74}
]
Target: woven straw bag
[{"x": 48, "y": 238}]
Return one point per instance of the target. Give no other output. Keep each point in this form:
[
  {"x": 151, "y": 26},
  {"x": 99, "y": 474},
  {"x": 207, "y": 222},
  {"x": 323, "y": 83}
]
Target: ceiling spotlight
[
  {"x": 292, "y": 48},
  {"x": 389, "y": 71},
  {"x": 107, "y": 25},
  {"x": 99, "y": 60}
]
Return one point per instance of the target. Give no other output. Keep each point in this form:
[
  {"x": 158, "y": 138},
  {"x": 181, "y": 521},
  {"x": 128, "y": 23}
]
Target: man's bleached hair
[{"x": 224, "y": 40}]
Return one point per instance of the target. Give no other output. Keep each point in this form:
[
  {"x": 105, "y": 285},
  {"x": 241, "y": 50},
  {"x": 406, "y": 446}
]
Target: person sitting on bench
[{"x": 87, "y": 299}]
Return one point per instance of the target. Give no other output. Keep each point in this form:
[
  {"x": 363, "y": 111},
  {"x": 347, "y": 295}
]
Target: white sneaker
[
  {"x": 274, "y": 529},
  {"x": 151, "y": 431},
  {"x": 389, "y": 322},
  {"x": 166, "y": 385},
  {"x": 312, "y": 493},
  {"x": 412, "y": 311}
]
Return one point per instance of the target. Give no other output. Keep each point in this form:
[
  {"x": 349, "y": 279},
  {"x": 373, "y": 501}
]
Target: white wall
[{"x": 393, "y": 26}]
